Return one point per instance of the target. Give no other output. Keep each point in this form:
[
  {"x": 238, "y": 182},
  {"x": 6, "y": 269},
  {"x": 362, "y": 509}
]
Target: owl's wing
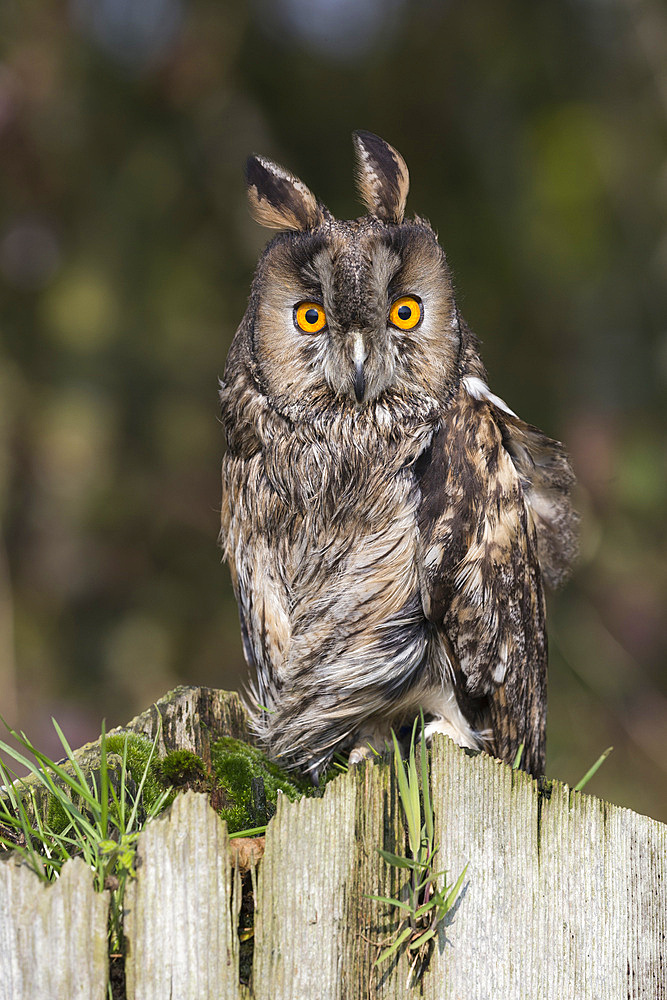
[{"x": 494, "y": 518}]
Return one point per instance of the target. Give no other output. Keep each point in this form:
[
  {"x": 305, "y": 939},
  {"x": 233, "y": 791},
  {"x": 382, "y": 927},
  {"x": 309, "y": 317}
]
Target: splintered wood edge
[
  {"x": 180, "y": 917},
  {"x": 563, "y": 890},
  {"x": 53, "y": 936}
]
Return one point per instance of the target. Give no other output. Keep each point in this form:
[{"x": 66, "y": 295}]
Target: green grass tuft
[
  {"x": 142, "y": 762},
  {"x": 427, "y": 897}
]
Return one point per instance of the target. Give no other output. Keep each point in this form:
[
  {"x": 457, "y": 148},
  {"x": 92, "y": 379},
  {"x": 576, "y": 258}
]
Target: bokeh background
[{"x": 536, "y": 140}]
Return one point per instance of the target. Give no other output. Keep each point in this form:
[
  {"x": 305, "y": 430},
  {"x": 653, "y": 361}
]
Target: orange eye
[
  {"x": 406, "y": 312},
  {"x": 310, "y": 317}
]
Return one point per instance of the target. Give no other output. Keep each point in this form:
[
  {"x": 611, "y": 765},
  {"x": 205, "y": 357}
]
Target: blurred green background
[{"x": 536, "y": 140}]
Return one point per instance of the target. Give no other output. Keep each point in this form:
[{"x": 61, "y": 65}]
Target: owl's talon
[{"x": 361, "y": 753}]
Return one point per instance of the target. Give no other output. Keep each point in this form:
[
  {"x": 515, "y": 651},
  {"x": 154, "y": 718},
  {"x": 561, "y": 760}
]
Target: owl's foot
[
  {"x": 361, "y": 753},
  {"x": 369, "y": 746}
]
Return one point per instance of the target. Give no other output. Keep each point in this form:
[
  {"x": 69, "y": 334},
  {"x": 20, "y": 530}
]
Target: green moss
[
  {"x": 138, "y": 754},
  {"x": 181, "y": 767},
  {"x": 56, "y": 817},
  {"x": 243, "y": 784},
  {"x": 248, "y": 777}
]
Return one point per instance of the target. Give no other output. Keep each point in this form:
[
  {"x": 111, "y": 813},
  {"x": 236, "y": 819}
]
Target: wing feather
[{"x": 495, "y": 518}]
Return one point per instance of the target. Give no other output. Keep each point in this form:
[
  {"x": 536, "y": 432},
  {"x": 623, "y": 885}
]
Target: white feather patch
[
  {"x": 478, "y": 389},
  {"x": 449, "y": 719}
]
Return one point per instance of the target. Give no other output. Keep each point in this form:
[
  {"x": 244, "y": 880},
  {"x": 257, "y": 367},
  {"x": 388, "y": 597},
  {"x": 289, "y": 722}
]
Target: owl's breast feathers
[{"x": 382, "y": 555}]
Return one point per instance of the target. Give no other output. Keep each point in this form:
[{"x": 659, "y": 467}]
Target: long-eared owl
[{"x": 389, "y": 522}]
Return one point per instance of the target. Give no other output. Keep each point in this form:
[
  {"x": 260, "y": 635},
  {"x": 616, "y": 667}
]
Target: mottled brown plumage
[{"x": 388, "y": 521}]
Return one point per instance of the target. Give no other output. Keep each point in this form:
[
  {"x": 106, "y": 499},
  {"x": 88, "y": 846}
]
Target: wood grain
[
  {"x": 180, "y": 926},
  {"x": 53, "y": 937},
  {"x": 565, "y": 896}
]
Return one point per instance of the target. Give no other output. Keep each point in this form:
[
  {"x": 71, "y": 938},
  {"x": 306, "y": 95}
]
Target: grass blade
[
  {"x": 69, "y": 753},
  {"x": 120, "y": 803},
  {"x": 396, "y": 860},
  {"x": 390, "y": 902},
  {"x": 426, "y": 907},
  {"x": 388, "y": 952},
  {"x": 415, "y": 803},
  {"x": 407, "y": 799},
  {"x": 144, "y": 776},
  {"x": 104, "y": 785},
  {"x": 422, "y": 939},
  {"x": 454, "y": 891},
  {"x": 42, "y": 772},
  {"x": 426, "y": 791},
  {"x": 592, "y": 770},
  {"x": 519, "y": 755},
  {"x": 255, "y": 831}
]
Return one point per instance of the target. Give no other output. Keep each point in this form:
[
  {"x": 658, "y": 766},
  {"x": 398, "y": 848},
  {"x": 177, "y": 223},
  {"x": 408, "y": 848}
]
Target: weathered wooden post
[
  {"x": 565, "y": 896},
  {"x": 53, "y": 938}
]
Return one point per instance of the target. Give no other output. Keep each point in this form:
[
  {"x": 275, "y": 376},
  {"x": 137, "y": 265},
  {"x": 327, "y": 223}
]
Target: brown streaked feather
[
  {"x": 547, "y": 479},
  {"x": 482, "y": 581}
]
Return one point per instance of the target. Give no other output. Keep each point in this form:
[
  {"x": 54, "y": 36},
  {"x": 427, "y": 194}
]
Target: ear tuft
[
  {"x": 278, "y": 199},
  {"x": 382, "y": 177}
]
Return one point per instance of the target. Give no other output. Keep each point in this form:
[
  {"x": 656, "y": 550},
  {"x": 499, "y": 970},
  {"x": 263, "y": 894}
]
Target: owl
[{"x": 389, "y": 522}]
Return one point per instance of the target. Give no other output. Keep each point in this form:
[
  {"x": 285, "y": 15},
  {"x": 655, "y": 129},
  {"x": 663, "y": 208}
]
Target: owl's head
[{"x": 359, "y": 310}]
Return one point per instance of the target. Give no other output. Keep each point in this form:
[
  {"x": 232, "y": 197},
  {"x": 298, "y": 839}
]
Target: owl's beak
[
  {"x": 359, "y": 381},
  {"x": 359, "y": 358}
]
